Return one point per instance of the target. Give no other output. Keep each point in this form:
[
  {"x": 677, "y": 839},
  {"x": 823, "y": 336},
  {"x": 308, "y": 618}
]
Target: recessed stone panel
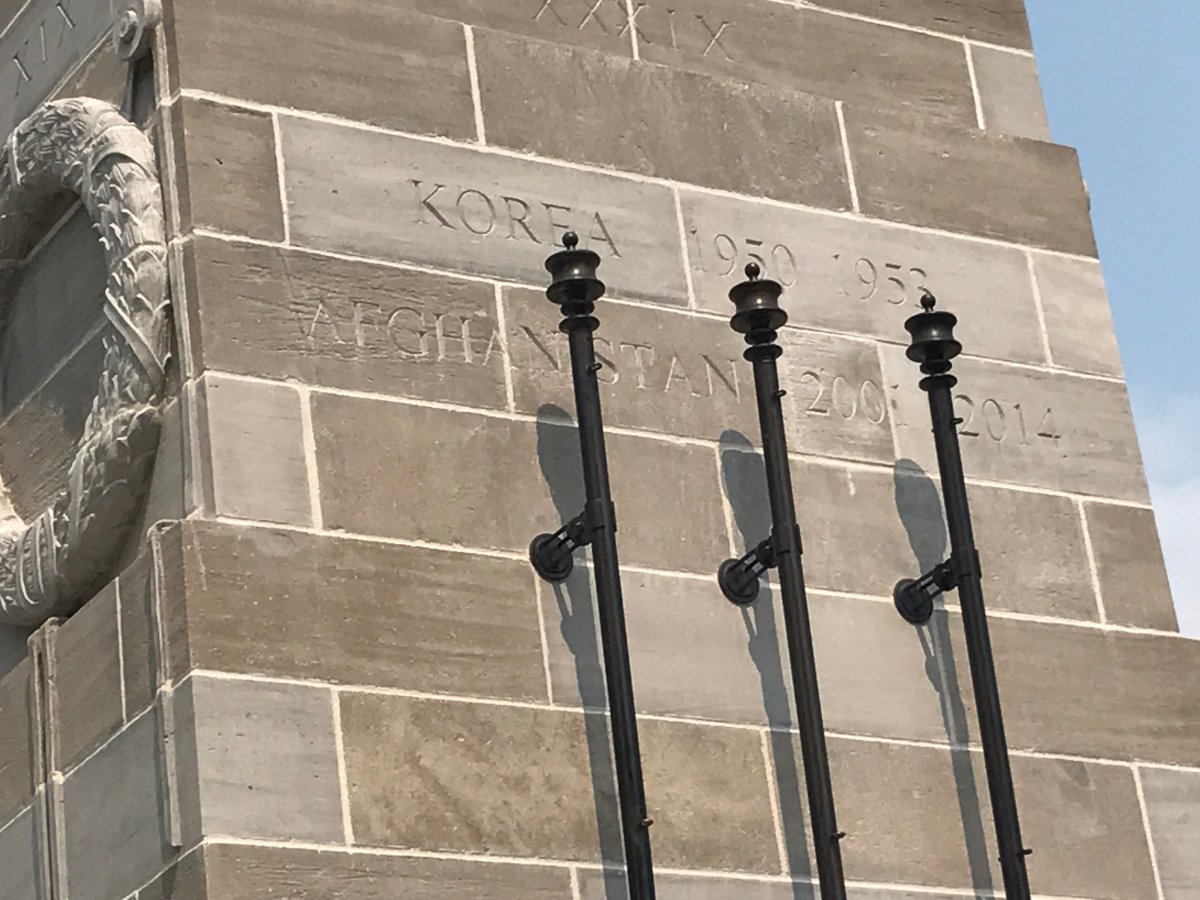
[
  {"x": 995, "y": 21},
  {"x": 88, "y": 677},
  {"x": 863, "y": 63},
  {"x": 935, "y": 177},
  {"x": 856, "y": 276},
  {"x": 1129, "y": 564},
  {"x": 257, "y": 760},
  {"x": 519, "y": 782},
  {"x": 1010, "y": 93},
  {"x": 358, "y": 612},
  {"x": 256, "y": 873},
  {"x": 313, "y": 57},
  {"x": 21, "y": 854},
  {"x": 281, "y": 313},
  {"x": 1024, "y": 426},
  {"x": 115, "y": 808},
  {"x": 509, "y": 481},
  {"x": 17, "y": 727},
  {"x": 463, "y": 210},
  {"x": 661, "y": 122},
  {"x": 1173, "y": 810},
  {"x": 1079, "y": 322}
]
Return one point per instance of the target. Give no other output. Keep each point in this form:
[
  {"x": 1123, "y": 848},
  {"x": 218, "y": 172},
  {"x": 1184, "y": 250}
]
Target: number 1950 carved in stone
[{"x": 50, "y": 565}]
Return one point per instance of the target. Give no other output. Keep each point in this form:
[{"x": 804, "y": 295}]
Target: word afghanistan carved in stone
[{"x": 86, "y": 147}]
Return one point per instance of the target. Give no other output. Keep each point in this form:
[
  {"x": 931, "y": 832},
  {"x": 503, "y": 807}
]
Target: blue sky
[{"x": 1121, "y": 81}]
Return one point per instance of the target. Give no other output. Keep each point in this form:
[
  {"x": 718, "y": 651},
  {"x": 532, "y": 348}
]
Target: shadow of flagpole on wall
[
  {"x": 558, "y": 457},
  {"x": 918, "y": 502},
  {"x": 744, "y": 481}
]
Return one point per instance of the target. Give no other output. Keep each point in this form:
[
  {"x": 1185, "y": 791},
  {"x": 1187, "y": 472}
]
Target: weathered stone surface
[
  {"x": 357, "y": 612},
  {"x": 20, "y": 859},
  {"x": 257, "y": 760},
  {"x": 88, "y": 678},
  {"x": 228, "y": 174},
  {"x": 695, "y": 655},
  {"x": 920, "y": 815},
  {"x": 1173, "y": 808},
  {"x": 256, "y": 462},
  {"x": 1129, "y": 563},
  {"x": 39, "y": 439},
  {"x": 514, "y": 781},
  {"x": 1078, "y": 318},
  {"x": 864, "y": 63},
  {"x": 934, "y": 177},
  {"x": 102, "y": 74},
  {"x": 600, "y": 25},
  {"x": 17, "y": 711},
  {"x": 865, "y": 529},
  {"x": 169, "y": 496},
  {"x": 1010, "y": 93},
  {"x": 1023, "y": 426},
  {"x": 994, "y": 21},
  {"x": 673, "y": 124},
  {"x": 466, "y": 211},
  {"x": 595, "y": 885},
  {"x": 510, "y": 481},
  {"x": 13, "y": 647},
  {"x": 314, "y": 58},
  {"x": 281, "y": 313},
  {"x": 44, "y": 42},
  {"x": 185, "y": 880},
  {"x": 117, "y": 837},
  {"x": 1100, "y": 694},
  {"x": 257, "y": 873},
  {"x": 50, "y": 306},
  {"x": 862, "y": 277}
]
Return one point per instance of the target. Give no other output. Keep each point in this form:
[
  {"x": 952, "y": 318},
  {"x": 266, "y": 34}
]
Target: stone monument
[{"x": 282, "y": 402}]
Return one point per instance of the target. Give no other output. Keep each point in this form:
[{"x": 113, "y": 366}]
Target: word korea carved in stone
[{"x": 86, "y": 147}]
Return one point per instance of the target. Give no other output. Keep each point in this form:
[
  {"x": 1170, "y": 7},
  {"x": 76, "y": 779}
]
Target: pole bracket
[
  {"x": 914, "y": 598},
  {"x": 738, "y": 578},
  {"x": 551, "y": 555}
]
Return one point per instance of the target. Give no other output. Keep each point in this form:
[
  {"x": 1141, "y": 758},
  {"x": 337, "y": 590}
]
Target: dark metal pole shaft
[
  {"x": 630, "y": 788},
  {"x": 787, "y": 546},
  {"x": 979, "y": 645}
]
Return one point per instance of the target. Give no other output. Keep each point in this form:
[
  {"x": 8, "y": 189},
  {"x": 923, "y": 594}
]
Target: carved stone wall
[{"x": 337, "y": 676}]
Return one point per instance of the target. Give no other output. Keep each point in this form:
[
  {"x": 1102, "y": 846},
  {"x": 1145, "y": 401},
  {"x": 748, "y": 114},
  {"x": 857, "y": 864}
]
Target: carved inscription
[
  {"x": 828, "y": 394},
  {"x": 679, "y": 29},
  {"x": 507, "y": 216},
  {"x": 47, "y": 41}
]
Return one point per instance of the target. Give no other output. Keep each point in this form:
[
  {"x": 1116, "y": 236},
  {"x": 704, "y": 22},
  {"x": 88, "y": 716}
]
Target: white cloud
[{"x": 1170, "y": 439}]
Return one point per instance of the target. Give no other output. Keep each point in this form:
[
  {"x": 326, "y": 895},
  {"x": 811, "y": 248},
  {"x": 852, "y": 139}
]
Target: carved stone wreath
[{"x": 51, "y": 564}]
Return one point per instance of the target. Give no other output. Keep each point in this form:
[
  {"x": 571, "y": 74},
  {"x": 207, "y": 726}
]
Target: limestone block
[
  {"x": 185, "y": 880},
  {"x": 117, "y": 834},
  {"x": 253, "y": 437},
  {"x": 88, "y": 678},
  {"x": 862, "y": 277},
  {"x": 938, "y": 178},
  {"x": 280, "y": 313},
  {"x": 357, "y": 612},
  {"x": 257, "y": 760},
  {"x": 523, "y": 782},
  {"x": 1173, "y": 808},
  {"x": 313, "y": 58},
  {"x": 994, "y": 21},
  {"x": 672, "y": 124},
  {"x": 453, "y": 208},
  {"x": 255, "y": 873},
  {"x": 1129, "y": 563},
  {"x": 17, "y": 739},
  {"x": 1023, "y": 426},
  {"x": 21, "y": 852},
  {"x": 1010, "y": 93},
  {"x": 866, "y": 64},
  {"x": 509, "y": 481},
  {"x": 228, "y": 175},
  {"x": 1079, "y": 322},
  {"x": 595, "y": 885},
  {"x": 139, "y": 663}
]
